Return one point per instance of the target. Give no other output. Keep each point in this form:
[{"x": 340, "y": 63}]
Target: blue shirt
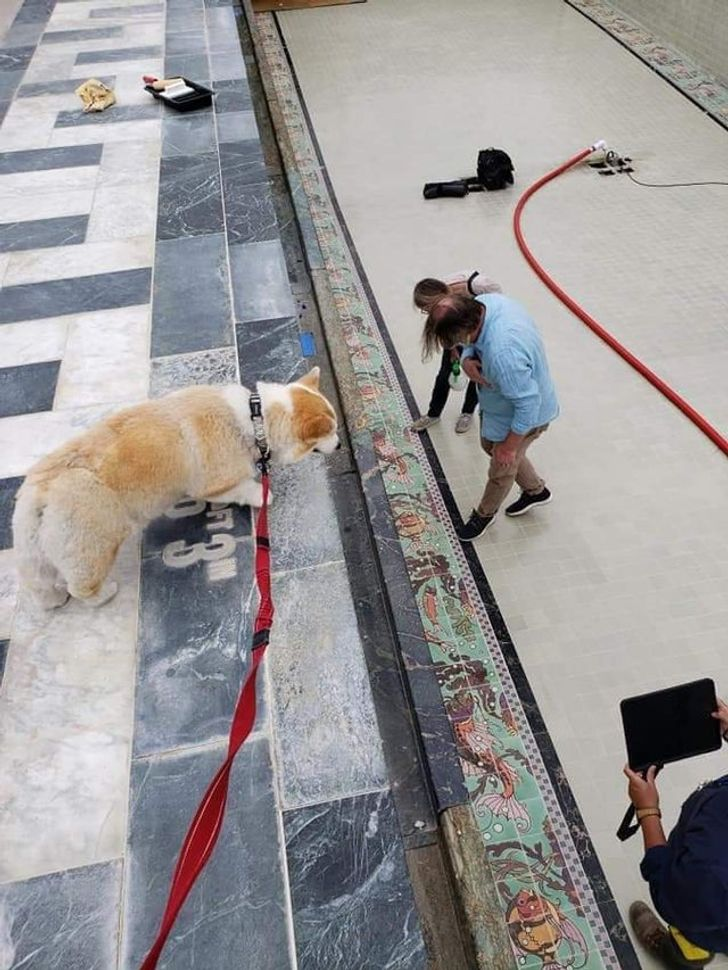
[
  {"x": 688, "y": 877},
  {"x": 521, "y": 394}
]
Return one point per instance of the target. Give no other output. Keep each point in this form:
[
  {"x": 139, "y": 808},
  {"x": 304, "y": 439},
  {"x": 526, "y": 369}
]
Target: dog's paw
[
  {"x": 52, "y": 599},
  {"x": 107, "y": 592}
]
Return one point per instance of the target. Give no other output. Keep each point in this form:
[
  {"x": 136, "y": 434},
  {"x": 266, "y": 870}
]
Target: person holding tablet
[{"x": 687, "y": 871}]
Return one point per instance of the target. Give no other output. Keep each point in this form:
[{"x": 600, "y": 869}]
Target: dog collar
[{"x": 256, "y": 416}]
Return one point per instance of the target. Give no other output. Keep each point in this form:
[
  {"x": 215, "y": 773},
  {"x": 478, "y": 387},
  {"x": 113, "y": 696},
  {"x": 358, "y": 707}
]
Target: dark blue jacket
[{"x": 688, "y": 877}]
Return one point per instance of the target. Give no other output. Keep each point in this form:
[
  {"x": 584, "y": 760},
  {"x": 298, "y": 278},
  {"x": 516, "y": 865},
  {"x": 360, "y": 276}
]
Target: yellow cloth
[
  {"x": 95, "y": 95},
  {"x": 689, "y": 950}
]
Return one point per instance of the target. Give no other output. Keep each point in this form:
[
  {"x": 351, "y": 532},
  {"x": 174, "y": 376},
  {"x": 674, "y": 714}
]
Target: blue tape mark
[{"x": 308, "y": 344}]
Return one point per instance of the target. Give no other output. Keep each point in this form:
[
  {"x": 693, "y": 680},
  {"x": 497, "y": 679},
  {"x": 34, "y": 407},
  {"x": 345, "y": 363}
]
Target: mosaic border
[
  {"x": 705, "y": 90},
  {"x": 491, "y": 706}
]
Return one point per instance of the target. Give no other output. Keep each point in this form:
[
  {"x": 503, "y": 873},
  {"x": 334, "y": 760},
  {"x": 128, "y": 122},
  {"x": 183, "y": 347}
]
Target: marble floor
[
  {"x": 619, "y": 586},
  {"x": 142, "y": 251}
]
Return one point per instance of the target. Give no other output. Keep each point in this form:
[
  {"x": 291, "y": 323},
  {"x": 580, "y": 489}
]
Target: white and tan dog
[{"x": 77, "y": 505}]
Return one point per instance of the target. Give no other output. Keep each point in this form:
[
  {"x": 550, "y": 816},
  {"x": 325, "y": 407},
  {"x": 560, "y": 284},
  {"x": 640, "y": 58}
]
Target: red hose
[{"x": 715, "y": 436}]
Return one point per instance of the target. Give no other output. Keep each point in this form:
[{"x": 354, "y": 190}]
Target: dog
[{"x": 78, "y": 505}]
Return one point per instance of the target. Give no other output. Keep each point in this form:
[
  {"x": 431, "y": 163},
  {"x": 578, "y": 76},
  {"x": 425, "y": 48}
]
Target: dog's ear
[
  {"x": 311, "y": 379},
  {"x": 316, "y": 427}
]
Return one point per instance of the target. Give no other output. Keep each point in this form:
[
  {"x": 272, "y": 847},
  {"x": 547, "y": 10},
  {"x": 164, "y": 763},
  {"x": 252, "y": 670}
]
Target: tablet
[{"x": 671, "y": 724}]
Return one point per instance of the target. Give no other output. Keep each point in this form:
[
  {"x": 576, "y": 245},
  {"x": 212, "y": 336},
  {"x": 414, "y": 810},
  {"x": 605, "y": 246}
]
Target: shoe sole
[
  {"x": 533, "y": 505},
  {"x": 462, "y": 430}
]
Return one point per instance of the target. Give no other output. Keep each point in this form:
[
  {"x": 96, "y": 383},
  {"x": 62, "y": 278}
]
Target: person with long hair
[
  {"x": 426, "y": 293},
  {"x": 504, "y": 355}
]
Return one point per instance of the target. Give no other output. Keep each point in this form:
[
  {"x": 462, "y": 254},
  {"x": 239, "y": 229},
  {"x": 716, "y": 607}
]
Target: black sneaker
[
  {"x": 474, "y": 527},
  {"x": 526, "y": 502}
]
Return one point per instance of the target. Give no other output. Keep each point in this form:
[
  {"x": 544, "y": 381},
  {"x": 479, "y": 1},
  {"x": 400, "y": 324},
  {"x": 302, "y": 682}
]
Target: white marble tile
[
  {"x": 49, "y": 63},
  {"x": 25, "y": 438},
  {"x": 8, "y": 592},
  {"x": 27, "y": 205},
  {"x": 45, "y": 181},
  {"x": 119, "y": 213},
  {"x": 129, "y": 89},
  {"x": 106, "y": 359},
  {"x": 4, "y": 260},
  {"x": 49, "y": 181},
  {"x": 26, "y": 126},
  {"x": 63, "y": 262},
  {"x": 128, "y": 162},
  {"x": 121, "y": 131},
  {"x": 32, "y": 341},
  {"x": 65, "y": 726}
]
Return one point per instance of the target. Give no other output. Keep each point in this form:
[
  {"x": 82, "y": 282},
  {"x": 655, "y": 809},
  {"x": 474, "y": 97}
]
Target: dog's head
[{"x": 308, "y": 422}]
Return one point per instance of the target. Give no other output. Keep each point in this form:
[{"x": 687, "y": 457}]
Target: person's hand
[
  {"x": 505, "y": 454},
  {"x": 722, "y": 715},
  {"x": 643, "y": 792},
  {"x": 473, "y": 370}
]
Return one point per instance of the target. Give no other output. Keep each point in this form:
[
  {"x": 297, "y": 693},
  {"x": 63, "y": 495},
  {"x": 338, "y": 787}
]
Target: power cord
[{"x": 614, "y": 164}]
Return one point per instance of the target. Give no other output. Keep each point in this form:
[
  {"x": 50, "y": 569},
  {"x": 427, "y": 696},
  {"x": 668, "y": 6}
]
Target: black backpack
[{"x": 495, "y": 169}]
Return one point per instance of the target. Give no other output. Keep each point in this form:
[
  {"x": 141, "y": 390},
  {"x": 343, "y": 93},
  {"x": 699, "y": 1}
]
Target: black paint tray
[{"x": 201, "y": 97}]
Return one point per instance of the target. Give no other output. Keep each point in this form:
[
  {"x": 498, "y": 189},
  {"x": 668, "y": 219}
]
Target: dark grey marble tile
[
  {"x": 226, "y": 65},
  {"x": 4, "y": 106},
  {"x": 188, "y": 134},
  {"x": 236, "y": 914},
  {"x": 236, "y": 126},
  {"x": 41, "y": 233},
  {"x": 4, "y": 644},
  {"x": 87, "y": 33},
  {"x": 249, "y": 212},
  {"x": 302, "y": 495},
  {"x": 205, "y": 367},
  {"x": 193, "y": 522},
  {"x": 269, "y": 350},
  {"x": 132, "y": 10},
  {"x": 9, "y": 81},
  {"x": 288, "y": 227},
  {"x": 195, "y": 630},
  {"x": 34, "y": 13},
  {"x": 185, "y": 42},
  {"x": 65, "y": 919},
  {"x": 377, "y": 609},
  {"x": 28, "y": 388},
  {"x": 261, "y": 290},
  {"x": 33, "y": 301},
  {"x": 8, "y": 490},
  {"x": 324, "y": 722},
  {"x": 190, "y": 197},
  {"x": 191, "y": 307},
  {"x": 118, "y": 54},
  {"x": 14, "y": 59},
  {"x": 182, "y": 20},
  {"x": 58, "y": 87},
  {"x": 297, "y": 229},
  {"x": 352, "y": 899},
  {"x": 193, "y": 66},
  {"x": 223, "y": 40},
  {"x": 242, "y": 163},
  {"x": 22, "y": 35},
  {"x": 120, "y": 112},
  {"x": 221, "y": 18},
  {"x": 35, "y": 159},
  {"x": 232, "y": 95}
]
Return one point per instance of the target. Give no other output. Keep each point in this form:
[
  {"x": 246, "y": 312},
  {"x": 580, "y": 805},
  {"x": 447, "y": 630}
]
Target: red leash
[{"x": 205, "y": 828}]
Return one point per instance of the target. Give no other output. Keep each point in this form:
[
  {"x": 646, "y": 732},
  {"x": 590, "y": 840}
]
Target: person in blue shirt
[
  {"x": 504, "y": 354},
  {"x": 687, "y": 872}
]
